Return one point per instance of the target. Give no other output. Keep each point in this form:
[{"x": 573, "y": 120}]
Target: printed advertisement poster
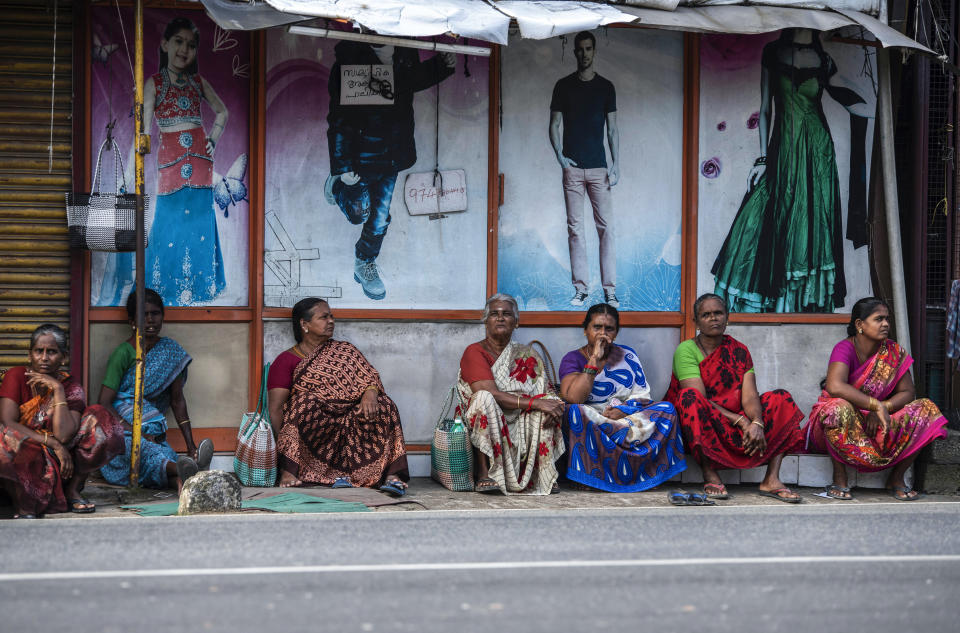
[
  {"x": 376, "y": 175},
  {"x": 196, "y": 109},
  {"x": 592, "y": 158}
]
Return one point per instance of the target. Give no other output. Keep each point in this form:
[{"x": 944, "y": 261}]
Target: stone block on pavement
[
  {"x": 210, "y": 491},
  {"x": 942, "y": 479},
  {"x": 947, "y": 450}
]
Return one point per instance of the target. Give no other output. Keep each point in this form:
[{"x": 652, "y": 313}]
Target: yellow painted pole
[{"x": 143, "y": 146}]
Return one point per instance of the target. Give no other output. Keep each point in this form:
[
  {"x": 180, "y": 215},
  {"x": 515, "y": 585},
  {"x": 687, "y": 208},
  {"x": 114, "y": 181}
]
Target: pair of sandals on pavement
[
  {"x": 900, "y": 493},
  {"x": 393, "y": 485},
  {"x": 719, "y": 492},
  {"x": 187, "y": 467}
]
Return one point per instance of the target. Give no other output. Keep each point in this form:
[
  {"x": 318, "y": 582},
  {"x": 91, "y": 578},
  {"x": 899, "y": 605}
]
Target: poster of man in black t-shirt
[{"x": 583, "y": 104}]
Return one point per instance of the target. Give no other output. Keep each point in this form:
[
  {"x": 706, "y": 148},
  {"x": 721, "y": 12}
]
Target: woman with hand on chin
[
  {"x": 726, "y": 422},
  {"x": 337, "y": 426},
  {"x": 49, "y": 439},
  {"x": 164, "y": 375},
  {"x": 868, "y": 416},
  {"x": 619, "y": 439},
  {"x": 513, "y": 414}
]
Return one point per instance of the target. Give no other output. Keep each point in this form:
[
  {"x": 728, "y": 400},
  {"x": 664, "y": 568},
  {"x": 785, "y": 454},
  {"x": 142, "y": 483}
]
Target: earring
[
  {"x": 860, "y": 330},
  {"x": 305, "y": 329}
]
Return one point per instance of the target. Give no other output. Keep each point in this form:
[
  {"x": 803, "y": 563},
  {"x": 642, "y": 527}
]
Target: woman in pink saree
[{"x": 868, "y": 415}]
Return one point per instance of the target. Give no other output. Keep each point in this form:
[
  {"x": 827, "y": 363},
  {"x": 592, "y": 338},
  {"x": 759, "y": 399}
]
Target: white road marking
[{"x": 477, "y": 566}]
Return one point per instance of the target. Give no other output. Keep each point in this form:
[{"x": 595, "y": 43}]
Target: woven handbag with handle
[
  {"x": 101, "y": 221},
  {"x": 451, "y": 454},
  {"x": 255, "y": 460}
]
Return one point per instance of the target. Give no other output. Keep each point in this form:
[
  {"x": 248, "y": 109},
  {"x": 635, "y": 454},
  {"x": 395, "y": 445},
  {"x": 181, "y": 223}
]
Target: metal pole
[
  {"x": 891, "y": 204},
  {"x": 142, "y": 148}
]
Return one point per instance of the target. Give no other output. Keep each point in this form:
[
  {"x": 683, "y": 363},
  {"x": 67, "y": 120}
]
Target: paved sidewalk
[{"x": 426, "y": 494}]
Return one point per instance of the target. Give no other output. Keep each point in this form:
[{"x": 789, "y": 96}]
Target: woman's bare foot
[{"x": 287, "y": 480}]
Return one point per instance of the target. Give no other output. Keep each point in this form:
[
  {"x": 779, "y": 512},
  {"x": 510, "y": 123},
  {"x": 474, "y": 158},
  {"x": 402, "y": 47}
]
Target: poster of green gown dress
[{"x": 784, "y": 250}]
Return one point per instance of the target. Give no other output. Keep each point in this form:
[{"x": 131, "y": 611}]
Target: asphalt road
[{"x": 881, "y": 567}]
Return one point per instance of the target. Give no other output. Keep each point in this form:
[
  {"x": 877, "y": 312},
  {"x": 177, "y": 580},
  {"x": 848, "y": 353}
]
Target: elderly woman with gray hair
[
  {"x": 513, "y": 414},
  {"x": 50, "y": 440}
]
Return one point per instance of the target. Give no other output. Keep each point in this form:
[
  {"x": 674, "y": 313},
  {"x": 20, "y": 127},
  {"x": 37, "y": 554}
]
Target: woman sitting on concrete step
[
  {"x": 868, "y": 416},
  {"x": 164, "y": 375},
  {"x": 726, "y": 422},
  {"x": 513, "y": 414},
  {"x": 50, "y": 440},
  {"x": 337, "y": 426}
]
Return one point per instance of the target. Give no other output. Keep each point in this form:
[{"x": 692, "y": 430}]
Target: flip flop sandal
[
  {"x": 487, "y": 486},
  {"x": 205, "y": 454},
  {"x": 684, "y": 498},
  {"x": 186, "y": 468},
  {"x": 778, "y": 495},
  {"x": 896, "y": 491},
  {"x": 25, "y": 516},
  {"x": 837, "y": 492},
  {"x": 80, "y": 501},
  {"x": 342, "y": 482},
  {"x": 394, "y": 488},
  {"x": 721, "y": 491}
]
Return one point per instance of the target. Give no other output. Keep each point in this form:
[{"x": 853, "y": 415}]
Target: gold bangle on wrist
[
  {"x": 757, "y": 422},
  {"x": 58, "y": 404},
  {"x": 518, "y": 401},
  {"x": 873, "y": 405},
  {"x": 182, "y": 422}
]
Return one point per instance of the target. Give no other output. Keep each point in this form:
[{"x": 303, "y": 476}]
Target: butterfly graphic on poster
[
  {"x": 222, "y": 40},
  {"x": 240, "y": 70},
  {"x": 229, "y": 189},
  {"x": 101, "y": 52}
]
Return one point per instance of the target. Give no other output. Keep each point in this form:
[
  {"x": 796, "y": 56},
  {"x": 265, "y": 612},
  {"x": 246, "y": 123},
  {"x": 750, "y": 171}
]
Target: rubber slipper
[
  {"x": 835, "y": 492},
  {"x": 721, "y": 491},
  {"x": 80, "y": 501},
  {"x": 778, "y": 495},
  {"x": 186, "y": 468},
  {"x": 25, "y": 516},
  {"x": 896, "y": 491},
  {"x": 342, "y": 482},
  {"x": 487, "y": 486},
  {"x": 204, "y": 454},
  {"x": 683, "y": 498},
  {"x": 393, "y": 488}
]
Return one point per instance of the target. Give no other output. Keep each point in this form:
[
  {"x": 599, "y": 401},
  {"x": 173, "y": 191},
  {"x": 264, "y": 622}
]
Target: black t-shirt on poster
[{"x": 584, "y": 106}]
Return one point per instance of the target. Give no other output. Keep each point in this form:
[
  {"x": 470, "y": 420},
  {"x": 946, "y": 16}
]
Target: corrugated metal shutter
[{"x": 34, "y": 256}]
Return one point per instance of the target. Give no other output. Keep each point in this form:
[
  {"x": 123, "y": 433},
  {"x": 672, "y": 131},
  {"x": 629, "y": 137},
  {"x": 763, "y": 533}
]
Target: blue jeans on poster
[{"x": 368, "y": 201}]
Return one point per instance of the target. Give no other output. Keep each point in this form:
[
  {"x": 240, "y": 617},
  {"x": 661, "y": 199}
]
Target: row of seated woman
[
  {"x": 339, "y": 428},
  {"x": 336, "y": 426}
]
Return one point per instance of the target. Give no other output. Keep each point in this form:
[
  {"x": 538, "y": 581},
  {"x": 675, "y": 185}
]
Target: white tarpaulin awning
[
  {"x": 410, "y": 18},
  {"x": 489, "y": 20},
  {"x": 764, "y": 19}
]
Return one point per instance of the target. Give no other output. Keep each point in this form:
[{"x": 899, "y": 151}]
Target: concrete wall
[{"x": 216, "y": 388}]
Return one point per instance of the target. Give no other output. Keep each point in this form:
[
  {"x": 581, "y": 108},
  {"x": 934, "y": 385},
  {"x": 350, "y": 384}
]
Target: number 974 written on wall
[{"x": 430, "y": 193}]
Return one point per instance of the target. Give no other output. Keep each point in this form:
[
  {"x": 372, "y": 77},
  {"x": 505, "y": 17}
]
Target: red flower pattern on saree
[
  {"x": 543, "y": 450},
  {"x": 497, "y": 450},
  {"x": 525, "y": 368}
]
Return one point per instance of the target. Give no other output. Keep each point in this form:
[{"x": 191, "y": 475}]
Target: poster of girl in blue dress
[{"x": 195, "y": 106}]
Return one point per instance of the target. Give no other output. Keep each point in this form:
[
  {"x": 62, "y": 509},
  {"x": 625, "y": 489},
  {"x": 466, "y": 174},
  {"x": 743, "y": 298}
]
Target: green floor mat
[{"x": 285, "y": 502}]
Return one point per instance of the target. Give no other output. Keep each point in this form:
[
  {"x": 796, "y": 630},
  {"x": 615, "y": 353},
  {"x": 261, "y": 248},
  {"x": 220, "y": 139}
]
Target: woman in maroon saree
[
  {"x": 727, "y": 423},
  {"x": 868, "y": 416},
  {"x": 49, "y": 439}
]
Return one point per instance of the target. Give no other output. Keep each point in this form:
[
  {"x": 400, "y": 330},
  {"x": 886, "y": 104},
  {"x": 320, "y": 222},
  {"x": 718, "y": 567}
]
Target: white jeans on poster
[{"x": 594, "y": 184}]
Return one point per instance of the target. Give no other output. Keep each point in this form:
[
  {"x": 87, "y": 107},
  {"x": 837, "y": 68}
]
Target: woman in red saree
[
  {"x": 868, "y": 416},
  {"x": 726, "y": 422},
  {"x": 338, "y": 426},
  {"x": 49, "y": 439}
]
